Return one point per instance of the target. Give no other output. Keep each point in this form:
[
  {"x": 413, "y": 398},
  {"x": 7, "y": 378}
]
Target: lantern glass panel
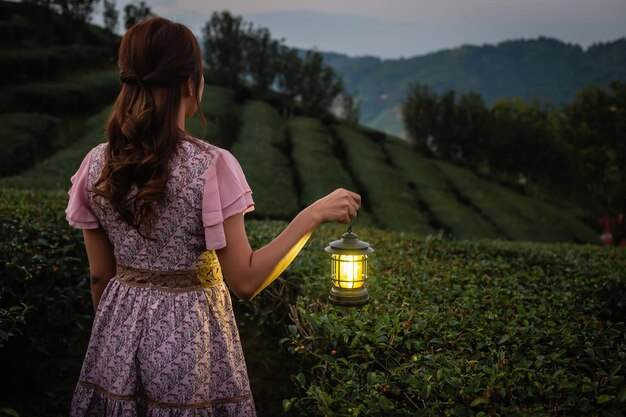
[{"x": 349, "y": 271}]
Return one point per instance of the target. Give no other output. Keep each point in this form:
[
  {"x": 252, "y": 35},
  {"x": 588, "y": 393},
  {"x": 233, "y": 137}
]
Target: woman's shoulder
[{"x": 216, "y": 154}]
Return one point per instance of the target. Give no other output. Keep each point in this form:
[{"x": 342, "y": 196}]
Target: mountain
[{"x": 542, "y": 68}]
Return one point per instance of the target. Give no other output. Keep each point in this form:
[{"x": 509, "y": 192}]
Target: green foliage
[
  {"x": 389, "y": 197},
  {"x": 110, "y": 15},
  {"x": 596, "y": 126},
  {"x": 261, "y": 58},
  {"x": 318, "y": 168},
  {"x": 43, "y": 266},
  {"x": 136, "y": 12},
  {"x": 32, "y": 24},
  {"x": 320, "y": 84},
  {"x": 289, "y": 76},
  {"x": 222, "y": 114},
  {"x": 450, "y": 211},
  {"x": 523, "y": 141},
  {"x": 86, "y": 93},
  {"x": 452, "y": 328},
  {"x": 11, "y": 320},
  {"x": 530, "y": 68},
  {"x": 236, "y": 51},
  {"x": 261, "y": 150},
  {"x": 534, "y": 146},
  {"x": 24, "y": 139},
  {"x": 519, "y": 217},
  {"x": 54, "y": 172},
  {"x": 465, "y": 328},
  {"x": 36, "y": 65},
  {"x": 224, "y": 38}
]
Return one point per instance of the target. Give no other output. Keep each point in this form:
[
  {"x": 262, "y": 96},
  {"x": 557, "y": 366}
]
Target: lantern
[{"x": 348, "y": 270}]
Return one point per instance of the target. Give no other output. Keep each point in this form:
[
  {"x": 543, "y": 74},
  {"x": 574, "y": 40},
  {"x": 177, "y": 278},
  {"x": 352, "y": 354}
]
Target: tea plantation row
[
  {"x": 306, "y": 158},
  {"x": 465, "y": 328},
  {"x": 453, "y": 327}
]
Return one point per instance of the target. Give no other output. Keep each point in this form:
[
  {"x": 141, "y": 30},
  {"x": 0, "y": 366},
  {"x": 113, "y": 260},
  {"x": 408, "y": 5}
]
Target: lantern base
[{"x": 348, "y": 297}]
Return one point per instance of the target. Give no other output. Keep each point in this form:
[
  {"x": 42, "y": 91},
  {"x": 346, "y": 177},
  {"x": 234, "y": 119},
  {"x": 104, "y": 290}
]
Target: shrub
[
  {"x": 81, "y": 95},
  {"x": 392, "y": 202},
  {"x": 43, "y": 266},
  {"x": 12, "y": 33},
  {"x": 521, "y": 217},
  {"x": 24, "y": 139},
  {"x": 222, "y": 116},
  {"x": 261, "y": 149},
  {"x": 450, "y": 210},
  {"x": 54, "y": 172},
  {"x": 468, "y": 329},
  {"x": 38, "y": 65},
  {"x": 316, "y": 162}
]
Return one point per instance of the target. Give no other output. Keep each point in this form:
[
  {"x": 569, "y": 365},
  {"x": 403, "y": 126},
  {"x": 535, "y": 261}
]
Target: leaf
[
  {"x": 301, "y": 379},
  {"x": 287, "y": 404},
  {"x": 601, "y": 399},
  {"x": 615, "y": 369},
  {"x": 479, "y": 400},
  {"x": 8, "y": 412}
]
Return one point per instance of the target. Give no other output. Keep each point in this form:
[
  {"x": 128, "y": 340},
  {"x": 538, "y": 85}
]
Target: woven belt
[{"x": 207, "y": 273}]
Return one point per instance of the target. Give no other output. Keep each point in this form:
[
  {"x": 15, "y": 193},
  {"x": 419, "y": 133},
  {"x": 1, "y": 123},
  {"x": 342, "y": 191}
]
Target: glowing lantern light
[{"x": 348, "y": 270}]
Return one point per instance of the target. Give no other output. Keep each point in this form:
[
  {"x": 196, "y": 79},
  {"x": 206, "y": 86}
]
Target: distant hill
[{"x": 542, "y": 68}]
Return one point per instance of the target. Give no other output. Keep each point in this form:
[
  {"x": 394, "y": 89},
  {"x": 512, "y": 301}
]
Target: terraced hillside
[
  {"x": 53, "y": 75},
  {"x": 51, "y": 118},
  {"x": 291, "y": 163}
]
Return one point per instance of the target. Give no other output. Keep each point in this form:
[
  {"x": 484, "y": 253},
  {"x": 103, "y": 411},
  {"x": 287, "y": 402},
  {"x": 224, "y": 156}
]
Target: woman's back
[
  {"x": 178, "y": 238},
  {"x": 164, "y": 339}
]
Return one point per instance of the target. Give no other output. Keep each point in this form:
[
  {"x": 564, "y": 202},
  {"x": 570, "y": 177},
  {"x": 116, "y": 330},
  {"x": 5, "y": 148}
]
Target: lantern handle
[{"x": 353, "y": 221}]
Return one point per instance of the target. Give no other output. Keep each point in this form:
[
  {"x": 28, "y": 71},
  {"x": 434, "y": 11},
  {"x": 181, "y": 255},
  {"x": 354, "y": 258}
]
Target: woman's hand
[
  {"x": 247, "y": 272},
  {"x": 339, "y": 206}
]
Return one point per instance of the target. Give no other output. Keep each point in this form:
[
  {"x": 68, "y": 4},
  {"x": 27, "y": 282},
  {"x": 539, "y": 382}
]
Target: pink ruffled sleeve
[
  {"x": 78, "y": 212},
  {"x": 226, "y": 193}
]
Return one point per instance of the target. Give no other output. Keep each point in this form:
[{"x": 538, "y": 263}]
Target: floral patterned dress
[{"x": 164, "y": 340}]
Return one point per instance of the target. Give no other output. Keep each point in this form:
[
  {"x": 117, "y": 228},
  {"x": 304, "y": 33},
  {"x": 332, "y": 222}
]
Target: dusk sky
[{"x": 395, "y": 28}]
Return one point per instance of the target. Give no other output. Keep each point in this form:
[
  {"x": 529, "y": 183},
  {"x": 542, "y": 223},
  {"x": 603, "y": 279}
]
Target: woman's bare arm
[
  {"x": 102, "y": 265},
  {"x": 247, "y": 272}
]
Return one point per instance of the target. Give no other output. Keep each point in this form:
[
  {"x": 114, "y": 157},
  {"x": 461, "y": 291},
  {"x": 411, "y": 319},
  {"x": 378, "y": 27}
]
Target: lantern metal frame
[{"x": 348, "y": 245}]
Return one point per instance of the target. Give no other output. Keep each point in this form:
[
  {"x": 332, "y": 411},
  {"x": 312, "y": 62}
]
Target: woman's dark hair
[{"x": 156, "y": 59}]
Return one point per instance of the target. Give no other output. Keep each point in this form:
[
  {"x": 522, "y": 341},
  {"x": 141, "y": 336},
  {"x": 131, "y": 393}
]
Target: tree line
[
  {"x": 237, "y": 53},
  {"x": 577, "y": 151}
]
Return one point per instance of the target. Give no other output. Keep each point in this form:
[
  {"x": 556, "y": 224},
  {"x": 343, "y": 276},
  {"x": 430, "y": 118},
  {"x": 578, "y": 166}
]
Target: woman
[{"x": 162, "y": 215}]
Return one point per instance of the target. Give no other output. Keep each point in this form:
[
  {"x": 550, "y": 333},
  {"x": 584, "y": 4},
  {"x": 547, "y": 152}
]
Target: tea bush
[
  {"x": 522, "y": 217},
  {"x": 260, "y": 148},
  {"x": 44, "y": 270},
  {"x": 21, "y": 65},
  {"x": 81, "y": 95},
  {"x": 24, "y": 139},
  {"x": 460, "y": 219},
  {"x": 316, "y": 163},
  {"x": 54, "y": 172},
  {"x": 467, "y": 328},
  {"x": 392, "y": 201}
]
